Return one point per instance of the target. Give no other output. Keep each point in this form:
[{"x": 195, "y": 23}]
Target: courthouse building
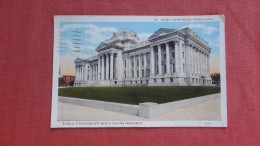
[{"x": 169, "y": 57}]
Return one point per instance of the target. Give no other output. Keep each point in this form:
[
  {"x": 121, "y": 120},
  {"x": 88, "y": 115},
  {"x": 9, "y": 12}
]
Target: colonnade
[
  {"x": 139, "y": 65},
  {"x": 178, "y": 60},
  {"x": 80, "y": 71},
  {"x": 106, "y": 66}
]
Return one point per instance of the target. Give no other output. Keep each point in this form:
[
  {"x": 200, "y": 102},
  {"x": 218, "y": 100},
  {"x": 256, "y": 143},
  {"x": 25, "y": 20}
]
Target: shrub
[{"x": 136, "y": 95}]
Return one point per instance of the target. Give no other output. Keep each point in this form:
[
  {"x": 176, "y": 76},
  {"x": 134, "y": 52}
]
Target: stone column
[
  {"x": 83, "y": 75},
  {"x": 90, "y": 72},
  {"x": 145, "y": 64},
  {"x": 160, "y": 59},
  {"x": 128, "y": 69},
  {"x": 94, "y": 72},
  {"x": 180, "y": 57},
  {"x": 99, "y": 58},
  {"x": 205, "y": 63},
  {"x": 196, "y": 60},
  {"x": 103, "y": 68},
  {"x": 140, "y": 64},
  {"x": 201, "y": 65},
  {"x": 191, "y": 59},
  {"x": 176, "y": 56},
  {"x": 152, "y": 62},
  {"x": 167, "y": 59},
  {"x": 134, "y": 66},
  {"x": 76, "y": 74},
  {"x": 97, "y": 72},
  {"x": 107, "y": 67},
  {"x": 208, "y": 64},
  {"x": 187, "y": 58},
  {"x": 199, "y": 58},
  {"x": 111, "y": 66},
  {"x": 80, "y": 74}
]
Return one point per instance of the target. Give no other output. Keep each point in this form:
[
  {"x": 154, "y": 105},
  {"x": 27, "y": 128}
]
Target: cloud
[
  {"x": 205, "y": 29},
  {"x": 214, "y": 43},
  {"x": 68, "y": 56},
  {"x": 97, "y": 34},
  {"x": 144, "y": 36},
  {"x": 69, "y": 47},
  {"x": 90, "y": 48},
  {"x": 92, "y": 32}
]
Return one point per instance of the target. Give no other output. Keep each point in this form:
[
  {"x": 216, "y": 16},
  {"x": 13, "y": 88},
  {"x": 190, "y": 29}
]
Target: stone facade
[{"x": 169, "y": 57}]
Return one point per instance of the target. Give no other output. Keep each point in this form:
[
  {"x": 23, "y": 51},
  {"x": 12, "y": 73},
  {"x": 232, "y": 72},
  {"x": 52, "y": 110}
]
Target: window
[
  {"x": 142, "y": 73},
  {"x": 173, "y": 54},
  {"x": 125, "y": 63},
  {"x": 183, "y": 67},
  {"x": 137, "y": 72},
  {"x": 137, "y": 61},
  {"x": 171, "y": 79},
  {"x": 162, "y": 80},
  {"x": 148, "y": 59},
  {"x": 142, "y": 57},
  {"x": 132, "y": 61},
  {"x": 183, "y": 55}
]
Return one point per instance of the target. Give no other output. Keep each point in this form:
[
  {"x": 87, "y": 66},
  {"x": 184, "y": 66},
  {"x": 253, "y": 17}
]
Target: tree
[
  {"x": 215, "y": 78},
  {"x": 61, "y": 81},
  {"x": 71, "y": 82}
]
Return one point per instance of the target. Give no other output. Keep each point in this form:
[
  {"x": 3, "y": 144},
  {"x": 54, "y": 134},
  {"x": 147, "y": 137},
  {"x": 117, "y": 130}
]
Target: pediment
[
  {"x": 101, "y": 45},
  {"x": 78, "y": 60},
  {"x": 161, "y": 32}
]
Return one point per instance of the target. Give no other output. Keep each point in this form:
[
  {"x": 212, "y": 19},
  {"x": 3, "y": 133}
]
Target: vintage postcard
[{"x": 139, "y": 71}]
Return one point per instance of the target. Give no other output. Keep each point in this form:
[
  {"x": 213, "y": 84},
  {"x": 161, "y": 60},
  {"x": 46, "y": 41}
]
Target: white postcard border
[{"x": 111, "y": 18}]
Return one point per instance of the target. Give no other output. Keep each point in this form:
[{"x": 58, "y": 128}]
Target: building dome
[
  {"x": 124, "y": 35},
  {"x": 125, "y": 32}
]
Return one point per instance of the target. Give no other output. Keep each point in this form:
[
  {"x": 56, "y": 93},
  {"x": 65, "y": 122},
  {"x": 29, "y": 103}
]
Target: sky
[{"x": 79, "y": 39}]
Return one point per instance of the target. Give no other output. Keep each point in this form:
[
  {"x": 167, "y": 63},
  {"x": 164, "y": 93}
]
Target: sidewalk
[{"x": 209, "y": 110}]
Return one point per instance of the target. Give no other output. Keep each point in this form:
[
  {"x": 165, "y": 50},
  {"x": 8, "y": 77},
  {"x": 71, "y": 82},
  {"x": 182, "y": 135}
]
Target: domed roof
[
  {"x": 125, "y": 32},
  {"x": 123, "y": 35}
]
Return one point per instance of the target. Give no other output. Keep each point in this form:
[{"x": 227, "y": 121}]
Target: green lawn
[{"x": 136, "y": 95}]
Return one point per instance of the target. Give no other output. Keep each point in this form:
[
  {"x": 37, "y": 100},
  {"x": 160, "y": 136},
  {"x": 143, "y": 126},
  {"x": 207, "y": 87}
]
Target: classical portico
[
  {"x": 169, "y": 57},
  {"x": 106, "y": 69}
]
